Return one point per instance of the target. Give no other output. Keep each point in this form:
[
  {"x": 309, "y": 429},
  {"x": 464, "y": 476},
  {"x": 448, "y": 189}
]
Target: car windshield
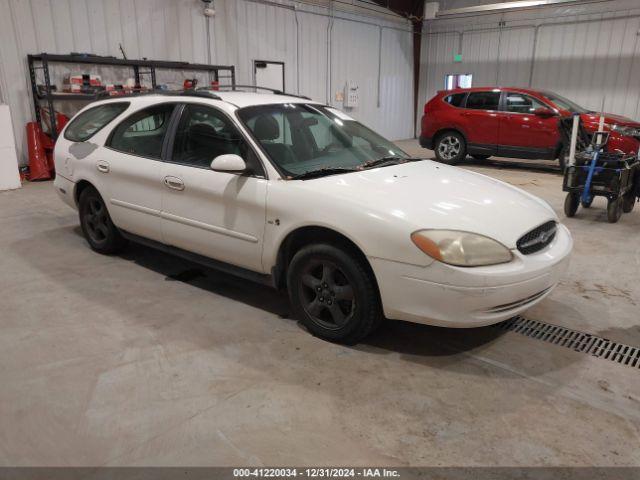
[
  {"x": 564, "y": 103},
  {"x": 306, "y": 138}
]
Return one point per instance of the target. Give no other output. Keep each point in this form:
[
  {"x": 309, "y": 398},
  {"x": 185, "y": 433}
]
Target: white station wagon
[{"x": 296, "y": 194}]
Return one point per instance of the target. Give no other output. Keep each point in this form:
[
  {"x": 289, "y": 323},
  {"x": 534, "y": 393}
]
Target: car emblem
[{"x": 543, "y": 237}]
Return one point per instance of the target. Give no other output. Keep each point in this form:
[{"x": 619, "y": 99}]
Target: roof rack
[
  {"x": 256, "y": 87},
  {"x": 205, "y": 92},
  {"x": 200, "y": 93},
  {"x": 182, "y": 93}
]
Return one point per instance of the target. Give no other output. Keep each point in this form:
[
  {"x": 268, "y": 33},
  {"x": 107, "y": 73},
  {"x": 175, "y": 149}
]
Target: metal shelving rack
[{"x": 140, "y": 67}]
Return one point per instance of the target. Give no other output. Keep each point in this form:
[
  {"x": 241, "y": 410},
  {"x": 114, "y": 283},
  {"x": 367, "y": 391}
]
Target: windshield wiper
[
  {"x": 322, "y": 172},
  {"x": 389, "y": 160}
]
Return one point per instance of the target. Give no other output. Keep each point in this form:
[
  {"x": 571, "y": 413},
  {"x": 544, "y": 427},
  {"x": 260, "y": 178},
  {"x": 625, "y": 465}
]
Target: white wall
[
  {"x": 584, "y": 52},
  {"x": 309, "y": 42}
]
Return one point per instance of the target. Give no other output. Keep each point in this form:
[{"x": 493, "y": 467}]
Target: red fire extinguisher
[{"x": 38, "y": 165}]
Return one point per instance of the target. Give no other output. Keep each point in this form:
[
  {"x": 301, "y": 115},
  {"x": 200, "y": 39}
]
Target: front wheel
[
  {"x": 450, "y": 148},
  {"x": 571, "y": 204},
  {"x": 103, "y": 236},
  {"x": 333, "y": 293},
  {"x": 614, "y": 210}
]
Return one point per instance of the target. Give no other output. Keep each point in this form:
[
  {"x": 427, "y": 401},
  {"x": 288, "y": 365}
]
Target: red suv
[{"x": 511, "y": 122}]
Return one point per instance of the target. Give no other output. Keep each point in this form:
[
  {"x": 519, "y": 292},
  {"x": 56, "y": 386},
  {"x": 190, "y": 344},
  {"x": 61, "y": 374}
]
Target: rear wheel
[
  {"x": 614, "y": 210},
  {"x": 481, "y": 157},
  {"x": 97, "y": 227},
  {"x": 571, "y": 203},
  {"x": 333, "y": 293},
  {"x": 450, "y": 148},
  {"x": 628, "y": 202}
]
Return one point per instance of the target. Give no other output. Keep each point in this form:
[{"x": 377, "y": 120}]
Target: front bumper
[
  {"x": 624, "y": 143},
  {"x": 448, "y": 296}
]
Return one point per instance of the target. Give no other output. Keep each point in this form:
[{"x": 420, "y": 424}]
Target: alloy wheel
[
  {"x": 449, "y": 147},
  {"x": 326, "y": 294},
  {"x": 95, "y": 219}
]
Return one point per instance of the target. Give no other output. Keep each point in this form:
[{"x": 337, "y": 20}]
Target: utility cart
[{"x": 613, "y": 175}]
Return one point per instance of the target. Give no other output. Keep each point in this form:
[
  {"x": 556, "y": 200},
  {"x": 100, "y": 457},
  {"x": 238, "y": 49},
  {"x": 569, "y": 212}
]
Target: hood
[
  {"x": 427, "y": 194},
  {"x": 610, "y": 118}
]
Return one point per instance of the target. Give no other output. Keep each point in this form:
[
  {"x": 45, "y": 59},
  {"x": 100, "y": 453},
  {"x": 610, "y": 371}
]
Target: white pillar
[
  {"x": 574, "y": 140},
  {"x": 9, "y": 175}
]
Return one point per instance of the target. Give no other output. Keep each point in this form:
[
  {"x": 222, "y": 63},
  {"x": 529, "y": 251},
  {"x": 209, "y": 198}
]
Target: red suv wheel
[{"x": 450, "y": 148}]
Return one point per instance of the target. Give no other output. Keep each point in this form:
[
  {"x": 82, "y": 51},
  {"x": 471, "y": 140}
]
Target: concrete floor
[{"x": 143, "y": 359}]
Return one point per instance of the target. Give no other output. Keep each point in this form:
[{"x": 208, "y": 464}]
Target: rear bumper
[
  {"x": 426, "y": 142},
  {"x": 471, "y": 297},
  {"x": 65, "y": 189}
]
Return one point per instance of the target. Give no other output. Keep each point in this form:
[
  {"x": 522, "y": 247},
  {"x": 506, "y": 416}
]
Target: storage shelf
[
  {"x": 69, "y": 96},
  {"x": 41, "y": 62},
  {"x": 113, "y": 61}
]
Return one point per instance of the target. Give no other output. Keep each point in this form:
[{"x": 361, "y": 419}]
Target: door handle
[
  {"x": 102, "y": 166},
  {"x": 174, "y": 183}
]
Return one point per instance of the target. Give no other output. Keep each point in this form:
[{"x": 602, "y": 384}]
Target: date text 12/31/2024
[{"x": 315, "y": 472}]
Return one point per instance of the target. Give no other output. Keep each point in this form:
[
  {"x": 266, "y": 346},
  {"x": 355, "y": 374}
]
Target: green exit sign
[{"x": 457, "y": 57}]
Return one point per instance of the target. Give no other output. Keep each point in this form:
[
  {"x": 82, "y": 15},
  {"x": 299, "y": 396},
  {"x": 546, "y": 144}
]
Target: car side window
[
  {"x": 456, "y": 99},
  {"x": 89, "y": 122},
  {"x": 204, "y": 133},
  {"x": 483, "y": 100},
  {"x": 142, "y": 133},
  {"x": 520, "y": 103}
]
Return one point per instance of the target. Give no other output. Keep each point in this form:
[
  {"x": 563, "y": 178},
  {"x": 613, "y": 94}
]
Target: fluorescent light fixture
[{"x": 501, "y": 6}]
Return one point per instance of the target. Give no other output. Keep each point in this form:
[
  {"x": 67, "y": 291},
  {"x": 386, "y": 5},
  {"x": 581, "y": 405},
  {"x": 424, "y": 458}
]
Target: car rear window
[
  {"x": 88, "y": 123},
  {"x": 483, "y": 100},
  {"x": 456, "y": 100},
  {"x": 142, "y": 133}
]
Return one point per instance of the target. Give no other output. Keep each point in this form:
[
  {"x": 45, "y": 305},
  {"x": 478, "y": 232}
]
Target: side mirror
[
  {"x": 544, "y": 112},
  {"x": 229, "y": 163}
]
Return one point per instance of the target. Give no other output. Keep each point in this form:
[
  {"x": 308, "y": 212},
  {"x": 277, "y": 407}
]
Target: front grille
[{"x": 538, "y": 238}]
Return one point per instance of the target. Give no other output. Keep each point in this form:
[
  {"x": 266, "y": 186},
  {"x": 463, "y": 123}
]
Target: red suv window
[
  {"x": 521, "y": 103},
  {"x": 456, "y": 99},
  {"x": 483, "y": 100}
]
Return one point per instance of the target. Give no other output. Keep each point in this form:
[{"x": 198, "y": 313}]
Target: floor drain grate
[{"x": 575, "y": 340}]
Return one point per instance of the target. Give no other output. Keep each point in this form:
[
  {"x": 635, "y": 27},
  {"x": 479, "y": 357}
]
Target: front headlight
[
  {"x": 463, "y": 249},
  {"x": 629, "y": 131}
]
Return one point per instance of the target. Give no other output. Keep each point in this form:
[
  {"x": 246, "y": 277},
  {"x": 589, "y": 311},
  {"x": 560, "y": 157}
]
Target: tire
[
  {"x": 450, "y": 148},
  {"x": 481, "y": 157},
  {"x": 333, "y": 293},
  {"x": 97, "y": 227},
  {"x": 571, "y": 204},
  {"x": 587, "y": 204},
  {"x": 614, "y": 210},
  {"x": 628, "y": 202}
]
